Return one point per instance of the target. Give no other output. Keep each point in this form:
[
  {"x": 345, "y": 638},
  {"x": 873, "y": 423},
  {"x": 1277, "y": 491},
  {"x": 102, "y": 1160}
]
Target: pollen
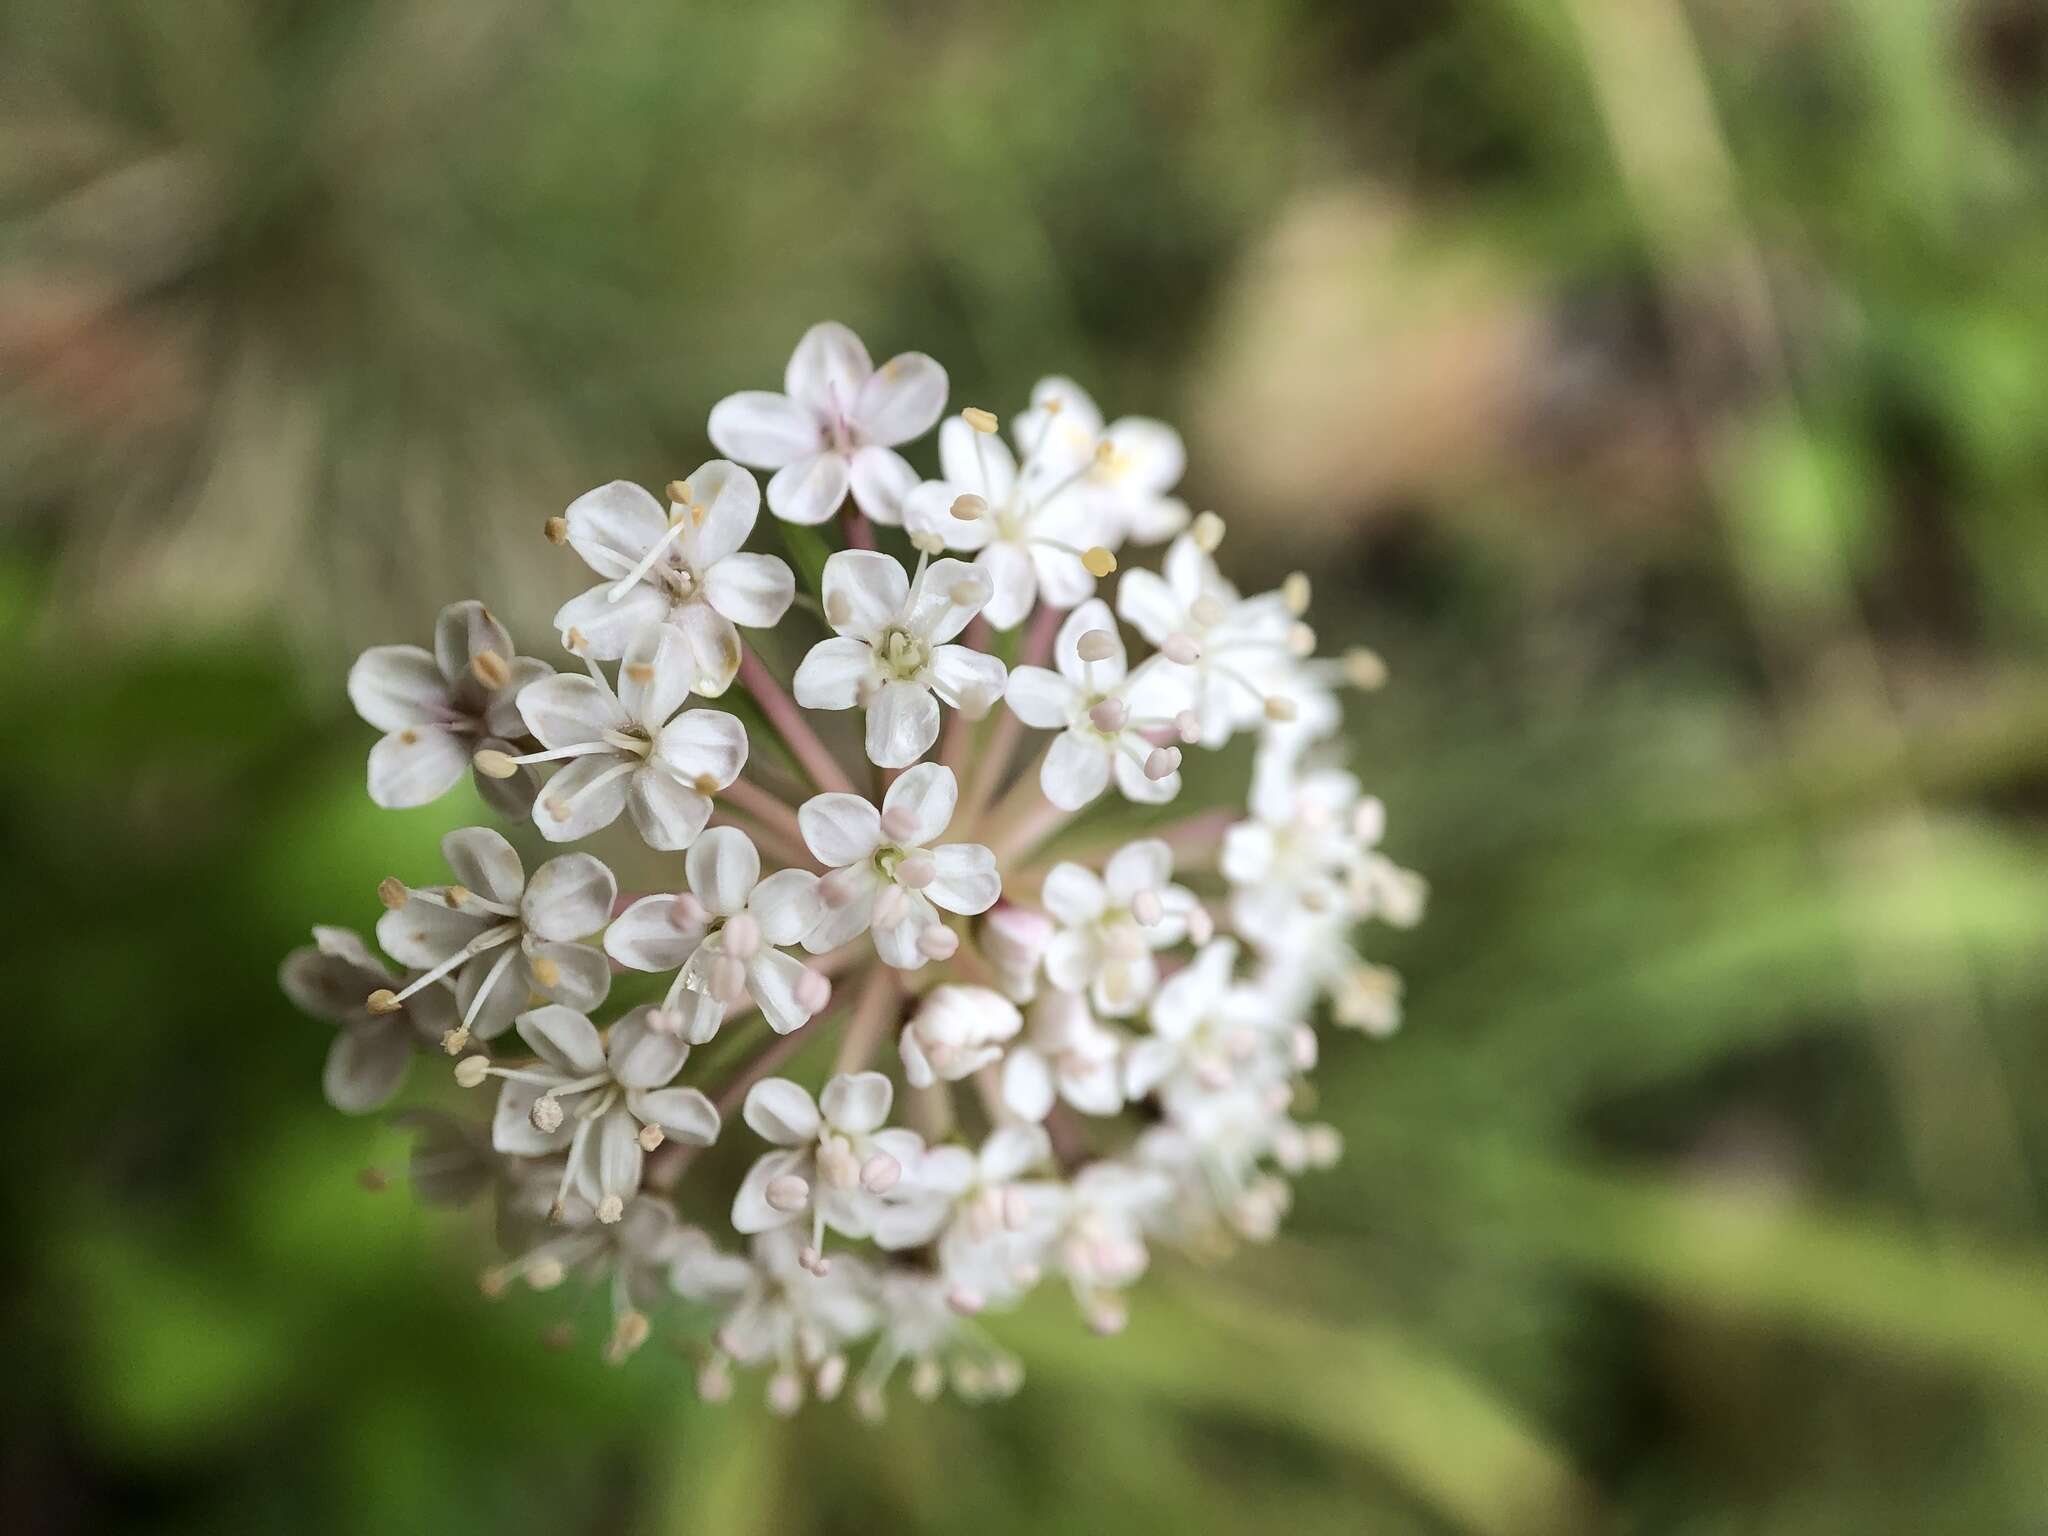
[
  {"x": 640, "y": 672},
  {"x": 545, "y": 972},
  {"x": 705, "y": 785}
]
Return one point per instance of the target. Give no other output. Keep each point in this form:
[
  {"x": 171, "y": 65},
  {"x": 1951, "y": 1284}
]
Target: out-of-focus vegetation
[{"x": 1657, "y": 384}]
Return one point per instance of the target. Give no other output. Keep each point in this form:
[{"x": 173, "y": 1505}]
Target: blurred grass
[{"x": 1659, "y": 389}]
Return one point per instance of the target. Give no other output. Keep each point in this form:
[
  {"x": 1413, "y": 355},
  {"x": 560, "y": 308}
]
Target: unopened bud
[
  {"x": 1207, "y": 531},
  {"x": 1099, "y": 561},
  {"x": 968, "y": 507},
  {"x": 557, "y": 530},
  {"x": 1096, "y": 645},
  {"x": 491, "y": 669},
  {"x": 980, "y": 420},
  {"x": 493, "y": 764}
]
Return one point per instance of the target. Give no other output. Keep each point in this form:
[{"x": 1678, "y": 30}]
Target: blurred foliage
[{"x": 1658, "y": 389}]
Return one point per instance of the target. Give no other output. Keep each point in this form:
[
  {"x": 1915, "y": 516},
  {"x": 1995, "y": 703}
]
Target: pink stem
[
  {"x": 770, "y": 812},
  {"x": 960, "y": 731},
  {"x": 1002, "y": 743},
  {"x": 791, "y": 726},
  {"x": 860, "y": 533},
  {"x": 870, "y": 1021}
]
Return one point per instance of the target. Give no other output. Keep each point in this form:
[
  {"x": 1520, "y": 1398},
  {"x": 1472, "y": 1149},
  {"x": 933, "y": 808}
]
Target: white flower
[
  {"x": 921, "y": 1327},
  {"x": 607, "y": 1102},
  {"x": 366, "y": 1064},
  {"x": 797, "y": 1320},
  {"x": 558, "y": 1239},
  {"x": 1212, "y": 1031},
  {"x": 1110, "y": 924},
  {"x": 838, "y": 1165},
  {"x": 683, "y": 566},
  {"x": 1064, "y": 1054},
  {"x": 890, "y": 655},
  {"x": 722, "y": 937},
  {"x": 503, "y": 936},
  {"x": 1102, "y": 1248},
  {"x": 438, "y": 707},
  {"x": 1213, "y": 1145},
  {"x": 886, "y": 873},
  {"x": 1025, "y": 528},
  {"x": 1236, "y": 648},
  {"x": 955, "y": 1033},
  {"x": 835, "y": 427},
  {"x": 632, "y": 750},
  {"x": 992, "y": 1224},
  {"x": 1013, "y": 941},
  {"x": 1107, "y": 718},
  {"x": 1311, "y": 849},
  {"x": 1126, "y": 468}
]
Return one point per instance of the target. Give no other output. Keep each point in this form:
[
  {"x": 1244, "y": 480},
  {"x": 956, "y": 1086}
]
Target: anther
[
  {"x": 628, "y": 1334},
  {"x": 812, "y": 991},
  {"x": 545, "y": 1274},
  {"x": 1207, "y": 610},
  {"x": 546, "y": 1114},
  {"x": 547, "y": 975},
  {"x": 938, "y": 943},
  {"x": 679, "y": 493},
  {"x": 1301, "y": 640},
  {"x": 785, "y": 1393},
  {"x": 787, "y": 1193},
  {"x": 1181, "y": 649},
  {"x": 491, "y": 669},
  {"x": 965, "y": 1301},
  {"x": 1364, "y": 670},
  {"x": 1162, "y": 763},
  {"x": 1147, "y": 908},
  {"x": 687, "y": 912},
  {"x": 471, "y": 1071},
  {"x": 493, "y": 764},
  {"x": 878, "y": 1175},
  {"x": 899, "y": 824},
  {"x": 651, "y": 1137},
  {"x": 927, "y": 543},
  {"x": 830, "y": 1378},
  {"x": 557, "y": 530},
  {"x": 1096, "y": 645},
  {"x": 1201, "y": 926},
  {"x": 1109, "y": 715},
  {"x": 392, "y": 893},
  {"x": 968, "y": 507},
  {"x": 1189, "y": 725},
  {"x": 383, "y": 1000},
  {"x": 917, "y": 871},
  {"x": 1099, "y": 561},
  {"x": 1280, "y": 708},
  {"x": 1295, "y": 591},
  {"x": 455, "y": 1041},
  {"x": 743, "y": 937},
  {"x": 610, "y": 1209},
  {"x": 980, "y": 420},
  {"x": 1207, "y": 530}
]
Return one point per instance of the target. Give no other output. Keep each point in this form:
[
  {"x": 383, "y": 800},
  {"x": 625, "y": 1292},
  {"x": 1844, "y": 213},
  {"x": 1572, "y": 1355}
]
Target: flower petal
[
  {"x": 640, "y": 1056},
  {"x": 570, "y": 709},
  {"x": 754, "y": 590},
  {"x": 1012, "y": 1151},
  {"x": 881, "y": 480},
  {"x": 1135, "y": 785},
  {"x": 396, "y": 686},
  {"x": 365, "y": 1066},
  {"x": 1027, "y": 1084},
  {"x": 1076, "y": 770},
  {"x": 762, "y": 428},
  {"x": 928, "y": 508},
  {"x": 1013, "y": 581},
  {"x": 414, "y": 766},
  {"x": 968, "y": 881},
  {"x": 682, "y": 1113},
  {"x": 1146, "y": 603},
  {"x": 751, "y": 1211},
  {"x": 976, "y": 461},
  {"x": 786, "y": 905},
  {"x": 949, "y": 594},
  {"x": 811, "y": 489},
  {"x": 713, "y": 642},
  {"x": 614, "y": 525},
  {"x": 668, "y": 815},
  {"x": 580, "y": 978},
  {"x": 482, "y": 860},
  {"x": 780, "y": 1111},
  {"x": 830, "y": 675},
  {"x": 724, "y": 502},
  {"x": 645, "y": 937},
  {"x": 772, "y": 980},
  {"x": 900, "y": 400},
  {"x": 1074, "y": 895},
  {"x": 568, "y": 897},
  {"x": 865, "y": 592},
  {"x": 927, "y": 795},
  {"x": 564, "y": 1039},
  {"x": 703, "y": 744},
  {"x": 843, "y": 924},
  {"x": 723, "y": 867},
  {"x": 840, "y": 829},
  {"x": 903, "y": 722},
  {"x": 968, "y": 679},
  {"x": 1039, "y": 698},
  {"x": 1096, "y": 676},
  {"x": 612, "y": 1160},
  {"x": 857, "y": 1102},
  {"x": 512, "y": 1128},
  {"x": 1072, "y": 959},
  {"x": 655, "y": 676},
  {"x": 827, "y": 370},
  {"x": 461, "y": 631},
  {"x": 583, "y": 797},
  {"x": 1062, "y": 579},
  {"x": 1145, "y": 865},
  {"x": 424, "y": 933}
]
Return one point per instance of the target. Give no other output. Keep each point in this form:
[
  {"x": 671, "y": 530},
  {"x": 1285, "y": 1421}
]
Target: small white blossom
[
  {"x": 923, "y": 1329},
  {"x": 890, "y": 655},
  {"x": 1013, "y": 941},
  {"x": 1213, "y": 1031},
  {"x": 438, "y": 707},
  {"x": 1111, "y": 923},
  {"x": 1065, "y": 1054},
  {"x": 683, "y": 566},
  {"x": 502, "y": 936},
  {"x": 992, "y": 1224},
  {"x": 1126, "y": 468},
  {"x": 886, "y": 873},
  {"x": 955, "y": 1033},
  {"x": 835, "y": 427},
  {"x": 797, "y": 1321},
  {"x": 331, "y": 979},
  {"x": 1101, "y": 1249}
]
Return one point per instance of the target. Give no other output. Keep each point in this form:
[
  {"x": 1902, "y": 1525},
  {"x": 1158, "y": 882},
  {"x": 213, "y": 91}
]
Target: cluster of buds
[{"x": 1043, "y": 1065}]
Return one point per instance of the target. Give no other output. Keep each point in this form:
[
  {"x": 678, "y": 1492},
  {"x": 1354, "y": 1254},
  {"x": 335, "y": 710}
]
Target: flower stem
[
  {"x": 790, "y": 725},
  {"x": 877, "y": 1006},
  {"x": 773, "y": 815},
  {"x": 1002, "y": 743},
  {"x": 860, "y": 533}
]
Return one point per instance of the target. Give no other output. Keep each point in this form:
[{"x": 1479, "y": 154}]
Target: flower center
[{"x": 902, "y": 655}]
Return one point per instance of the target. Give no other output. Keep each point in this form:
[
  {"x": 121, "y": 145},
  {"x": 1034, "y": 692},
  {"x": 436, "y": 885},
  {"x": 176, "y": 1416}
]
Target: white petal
[
  {"x": 917, "y": 1068},
  {"x": 645, "y": 936},
  {"x": 1040, "y": 699},
  {"x": 843, "y": 924},
  {"x": 396, "y": 686},
  {"x": 857, "y": 1102},
  {"x": 1074, "y": 895},
  {"x": 683, "y": 1113},
  {"x": 414, "y": 766},
  {"x": 927, "y": 795},
  {"x": 968, "y": 679},
  {"x": 759, "y": 427},
  {"x": 703, "y": 744},
  {"x": 613, "y": 526},
  {"x": 778, "y": 1110},
  {"x": 1012, "y": 1151},
  {"x": 584, "y": 797},
  {"x": 723, "y": 867},
  {"x": 581, "y": 976},
  {"x": 830, "y": 675},
  {"x": 898, "y": 944},
  {"x": 1062, "y": 579},
  {"x": 1096, "y": 676},
  {"x": 881, "y": 479},
  {"x": 570, "y": 709},
  {"x": 840, "y": 829},
  {"x": 655, "y": 676},
  {"x": 569, "y": 896},
  {"x": 928, "y": 508},
  {"x": 754, "y": 590},
  {"x": 423, "y": 933},
  {"x": 639, "y": 1056},
  {"x": 751, "y": 1211},
  {"x": 1132, "y": 781},
  {"x": 1145, "y": 865},
  {"x": 1148, "y": 1063},
  {"x": 1027, "y": 1084},
  {"x": 612, "y": 1160},
  {"x": 865, "y": 591},
  {"x": 564, "y": 1039},
  {"x": 827, "y": 370},
  {"x": 1076, "y": 770},
  {"x": 950, "y": 593},
  {"x": 667, "y": 815},
  {"x": 901, "y": 400},
  {"x": 968, "y": 881},
  {"x": 365, "y": 1066},
  {"x": 772, "y": 979},
  {"x": 903, "y": 722},
  {"x": 976, "y": 461},
  {"x": 462, "y": 630},
  {"x": 724, "y": 502},
  {"x": 1072, "y": 959},
  {"x": 786, "y": 905},
  {"x": 512, "y": 1129},
  {"x": 1013, "y": 582},
  {"x": 1155, "y": 519},
  {"x": 608, "y": 627},
  {"x": 811, "y": 489},
  {"x": 1150, "y": 457},
  {"x": 713, "y": 642},
  {"x": 482, "y": 860},
  {"x": 1147, "y": 604}
]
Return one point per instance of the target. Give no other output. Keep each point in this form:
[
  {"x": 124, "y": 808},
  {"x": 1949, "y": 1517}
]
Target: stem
[
  {"x": 770, "y": 811},
  {"x": 790, "y": 725},
  {"x": 879, "y": 1000},
  {"x": 959, "y": 735},
  {"x": 1002, "y": 743},
  {"x": 1027, "y": 831},
  {"x": 771, "y": 843},
  {"x": 860, "y": 533},
  {"x": 1195, "y": 841}
]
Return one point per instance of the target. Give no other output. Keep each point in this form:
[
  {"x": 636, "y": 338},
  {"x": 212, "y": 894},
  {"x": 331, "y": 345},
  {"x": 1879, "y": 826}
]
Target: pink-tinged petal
[
  {"x": 482, "y": 860},
  {"x": 779, "y": 1111},
  {"x": 773, "y": 980},
  {"x": 1132, "y": 782},
  {"x": 1013, "y": 582},
  {"x": 723, "y": 867},
  {"x": 865, "y": 592},
  {"x": 640, "y": 1056},
  {"x": 751, "y": 1211},
  {"x": 810, "y": 490},
  {"x": 753, "y": 590},
  {"x": 1076, "y": 770},
  {"x": 584, "y": 797},
  {"x": 564, "y": 1039},
  {"x": 857, "y": 1102},
  {"x": 975, "y": 461},
  {"x": 881, "y": 478},
  {"x": 571, "y": 709},
  {"x": 462, "y": 631},
  {"x": 767, "y": 430},
  {"x": 646, "y": 936},
  {"x": 928, "y": 508},
  {"x": 831, "y": 673},
  {"x": 968, "y": 679},
  {"x": 713, "y": 642},
  {"x": 569, "y": 896},
  {"x": 724, "y": 502},
  {"x": 901, "y": 400},
  {"x": 1041, "y": 699},
  {"x": 1146, "y": 603},
  {"x": 668, "y": 815},
  {"x": 950, "y": 593},
  {"x": 1146, "y": 865},
  {"x": 607, "y": 627},
  {"x": 394, "y": 687},
  {"x": 684, "y": 1114},
  {"x": 365, "y": 1066},
  {"x": 1095, "y": 676},
  {"x": 786, "y": 905},
  {"x": 926, "y": 795},
  {"x": 614, "y": 525},
  {"x": 1074, "y": 895},
  {"x": 414, "y": 766},
  {"x": 968, "y": 881},
  {"x": 1027, "y": 1085},
  {"x": 840, "y": 829},
  {"x": 703, "y": 744},
  {"x": 655, "y": 676},
  {"x": 897, "y": 945},
  {"x": 827, "y": 370},
  {"x": 903, "y": 722}
]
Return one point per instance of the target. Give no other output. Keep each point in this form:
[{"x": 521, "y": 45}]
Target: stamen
[
  {"x": 787, "y": 1193},
  {"x": 1096, "y": 645},
  {"x": 968, "y": 507},
  {"x": 556, "y": 529},
  {"x": 1109, "y": 715},
  {"x": 1162, "y": 763},
  {"x": 1099, "y": 561},
  {"x": 812, "y": 991},
  {"x": 491, "y": 669},
  {"x": 646, "y": 562},
  {"x": 471, "y": 1071},
  {"x": 1207, "y": 530},
  {"x": 1295, "y": 592},
  {"x": 982, "y": 421},
  {"x": 1364, "y": 670},
  {"x": 898, "y": 824},
  {"x": 939, "y": 943},
  {"x": 1181, "y": 649},
  {"x": 392, "y": 892}
]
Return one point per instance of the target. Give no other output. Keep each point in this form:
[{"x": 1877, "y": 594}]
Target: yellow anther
[
  {"x": 1100, "y": 562},
  {"x": 980, "y": 420}
]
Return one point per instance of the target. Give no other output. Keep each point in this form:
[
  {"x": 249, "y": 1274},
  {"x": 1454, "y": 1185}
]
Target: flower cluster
[{"x": 1042, "y": 1065}]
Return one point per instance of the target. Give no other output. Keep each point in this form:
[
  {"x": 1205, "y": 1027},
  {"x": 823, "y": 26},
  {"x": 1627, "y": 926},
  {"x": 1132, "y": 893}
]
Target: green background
[{"x": 1657, "y": 384}]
